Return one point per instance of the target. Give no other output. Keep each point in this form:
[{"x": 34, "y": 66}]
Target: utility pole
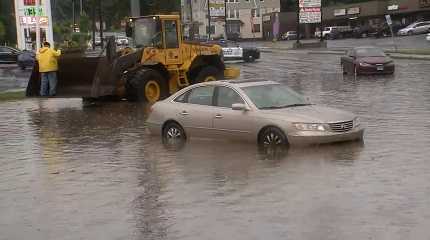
[
  {"x": 37, "y": 25},
  {"x": 93, "y": 18},
  {"x": 101, "y": 23},
  {"x": 135, "y": 8},
  {"x": 321, "y": 23},
  {"x": 298, "y": 24},
  {"x": 225, "y": 18},
  {"x": 73, "y": 15},
  {"x": 209, "y": 21},
  {"x": 82, "y": 8},
  {"x": 191, "y": 30}
]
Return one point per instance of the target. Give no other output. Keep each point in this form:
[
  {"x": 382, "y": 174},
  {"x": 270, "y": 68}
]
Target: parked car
[
  {"x": 415, "y": 28},
  {"x": 336, "y": 32},
  {"x": 266, "y": 112},
  {"x": 366, "y": 60},
  {"x": 362, "y": 31},
  {"x": 233, "y": 51},
  {"x": 122, "y": 41},
  {"x": 428, "y": 37},
  {"x": 8, "y": 54},
  {"x": 26, "y": 59},
  {"x": 290, "y": 35}
]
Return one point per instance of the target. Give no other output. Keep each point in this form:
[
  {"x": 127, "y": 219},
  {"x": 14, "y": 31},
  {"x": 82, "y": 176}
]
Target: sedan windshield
[
  {"x": 370, "y": 52},
  {"x": 274, "y": 96}
]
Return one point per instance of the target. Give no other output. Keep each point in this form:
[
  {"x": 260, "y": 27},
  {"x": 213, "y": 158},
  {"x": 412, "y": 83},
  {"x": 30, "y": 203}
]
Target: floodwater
[{"x": 74, "y": 172}]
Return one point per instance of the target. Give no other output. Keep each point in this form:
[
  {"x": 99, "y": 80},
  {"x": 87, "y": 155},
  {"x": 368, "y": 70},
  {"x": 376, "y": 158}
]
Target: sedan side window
[
  {"x": 182, "y": 98},
  {"x": 201, "y": 95},
  {"x": 226, "y": 97}
]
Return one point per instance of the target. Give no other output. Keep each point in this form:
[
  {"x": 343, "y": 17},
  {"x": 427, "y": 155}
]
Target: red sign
[
  {"x": 32, "y": 2},
  {"x": 29, "y": 2}
]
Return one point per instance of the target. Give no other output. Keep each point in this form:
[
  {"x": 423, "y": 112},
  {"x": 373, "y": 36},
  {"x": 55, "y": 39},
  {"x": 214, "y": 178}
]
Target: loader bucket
[
  {"x": 90, "y": 75},
  {"x": 75, "y": 76}
]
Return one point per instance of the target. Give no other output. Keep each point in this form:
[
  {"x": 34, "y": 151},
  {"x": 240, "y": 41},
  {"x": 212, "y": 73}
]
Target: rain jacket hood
[{"x": 47, "y": 58}]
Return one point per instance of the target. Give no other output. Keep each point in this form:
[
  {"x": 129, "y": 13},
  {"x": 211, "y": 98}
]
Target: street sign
[
  {"x": 310, "y": 15},
  {"x": 309, "y": 3},
  {"x": 388, "y": 18}
]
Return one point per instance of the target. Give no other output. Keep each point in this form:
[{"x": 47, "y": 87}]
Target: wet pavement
[
  {"x": 12, "y": 77},
  {"x": 74, "y": 172}
]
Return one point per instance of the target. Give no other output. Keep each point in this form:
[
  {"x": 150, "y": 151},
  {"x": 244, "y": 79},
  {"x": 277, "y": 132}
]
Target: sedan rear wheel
[{"x": 272, "y": 136}]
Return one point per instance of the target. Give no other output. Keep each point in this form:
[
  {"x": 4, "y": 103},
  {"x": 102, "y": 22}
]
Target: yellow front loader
[{"x": 159, "y": 64}]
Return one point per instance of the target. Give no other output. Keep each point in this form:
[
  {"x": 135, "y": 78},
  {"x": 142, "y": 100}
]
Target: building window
[
  {"x": 212, "y": 29},
  {"x": 256, "y": 28},
  {"x": 255, "y": 12},
  {"x": 233, "y": 27},
  {"x": 233, "y": 13}
]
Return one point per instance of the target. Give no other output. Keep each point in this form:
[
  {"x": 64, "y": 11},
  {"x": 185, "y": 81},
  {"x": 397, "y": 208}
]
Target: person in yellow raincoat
[{"x": 48, "y": 67}]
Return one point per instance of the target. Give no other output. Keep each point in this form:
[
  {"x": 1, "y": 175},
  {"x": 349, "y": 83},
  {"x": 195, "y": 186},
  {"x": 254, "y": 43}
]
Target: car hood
[
  {"x": 310, "y": 114},
  {"x": 374, "y": 60}
]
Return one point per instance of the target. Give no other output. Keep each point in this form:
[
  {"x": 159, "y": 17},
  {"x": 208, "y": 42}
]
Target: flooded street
[{"x": 74, "y": 172}]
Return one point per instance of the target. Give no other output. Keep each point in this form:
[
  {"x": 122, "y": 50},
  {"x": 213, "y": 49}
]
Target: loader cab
[{"x": 157, "y": 33}]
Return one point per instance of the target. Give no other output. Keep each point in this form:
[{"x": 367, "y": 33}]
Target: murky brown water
[{"x": 69, "y": 172}]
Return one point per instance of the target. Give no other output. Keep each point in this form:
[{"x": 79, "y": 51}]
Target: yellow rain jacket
[{"x": 47, "y": 58}]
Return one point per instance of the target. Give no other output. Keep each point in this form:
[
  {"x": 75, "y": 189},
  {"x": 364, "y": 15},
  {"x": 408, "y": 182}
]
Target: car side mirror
[{"x": 239, "y": 107}]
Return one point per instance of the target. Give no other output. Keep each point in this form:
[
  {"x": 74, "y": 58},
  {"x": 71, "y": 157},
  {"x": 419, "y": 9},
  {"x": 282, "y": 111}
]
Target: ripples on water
[{"x": 71, "y": 172}]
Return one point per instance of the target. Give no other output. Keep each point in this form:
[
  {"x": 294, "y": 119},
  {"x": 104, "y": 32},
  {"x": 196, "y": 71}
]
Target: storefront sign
[
  {"x": 43, "y": 21},
  {"x": 424, "y": 3},
  {"x": 33, "y": 11},
  {"x": 393, "y": 7},
  {"x": 310, "y": 15},
  {"x": 309, "y": 3},
  {"x": 216, "y": 8},
  {"x": 354, "y": 10},
  {"x": 340, "y": 12}
]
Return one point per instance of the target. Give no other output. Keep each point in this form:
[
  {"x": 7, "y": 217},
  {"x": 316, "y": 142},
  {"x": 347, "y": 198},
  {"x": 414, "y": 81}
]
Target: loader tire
[
  {"x": 207, "y": 74},
  {"x": 147, "y": 85}
]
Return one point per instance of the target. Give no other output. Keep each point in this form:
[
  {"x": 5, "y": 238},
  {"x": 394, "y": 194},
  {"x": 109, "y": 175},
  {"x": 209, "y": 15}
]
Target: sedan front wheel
[
  {"x": 272, "y": 136},
  {"x": 173, "y": 132}
]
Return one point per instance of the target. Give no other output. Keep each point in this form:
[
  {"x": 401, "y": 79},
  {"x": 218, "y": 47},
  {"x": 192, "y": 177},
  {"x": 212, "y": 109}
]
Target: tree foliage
[{"x": 8, "y": 32}]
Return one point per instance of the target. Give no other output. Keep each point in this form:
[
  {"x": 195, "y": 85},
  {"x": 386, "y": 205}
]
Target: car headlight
[
  {"x": 356, "y": 122},
  {"x": 363, "y": 64},
  {"x": 311, "y": 126}
]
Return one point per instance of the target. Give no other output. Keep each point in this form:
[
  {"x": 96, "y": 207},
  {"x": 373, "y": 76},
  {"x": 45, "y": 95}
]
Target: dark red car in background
[{"x": 367, "y": 60}]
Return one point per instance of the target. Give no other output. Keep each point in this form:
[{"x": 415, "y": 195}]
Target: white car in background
[
  {"x": 428, "y": 37},
  {"x": 233, "y": 51},
  {"x": 415, "y": 28}
]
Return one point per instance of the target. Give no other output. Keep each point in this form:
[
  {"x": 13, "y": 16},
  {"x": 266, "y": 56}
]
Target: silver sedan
[{"x": 263, "y": 111}]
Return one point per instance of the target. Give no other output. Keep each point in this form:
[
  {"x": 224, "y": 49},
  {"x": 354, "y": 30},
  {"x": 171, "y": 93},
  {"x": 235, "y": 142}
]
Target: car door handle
[
  {"x": 184, "y": 113},
  {"x": 218, "y": 116}
]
